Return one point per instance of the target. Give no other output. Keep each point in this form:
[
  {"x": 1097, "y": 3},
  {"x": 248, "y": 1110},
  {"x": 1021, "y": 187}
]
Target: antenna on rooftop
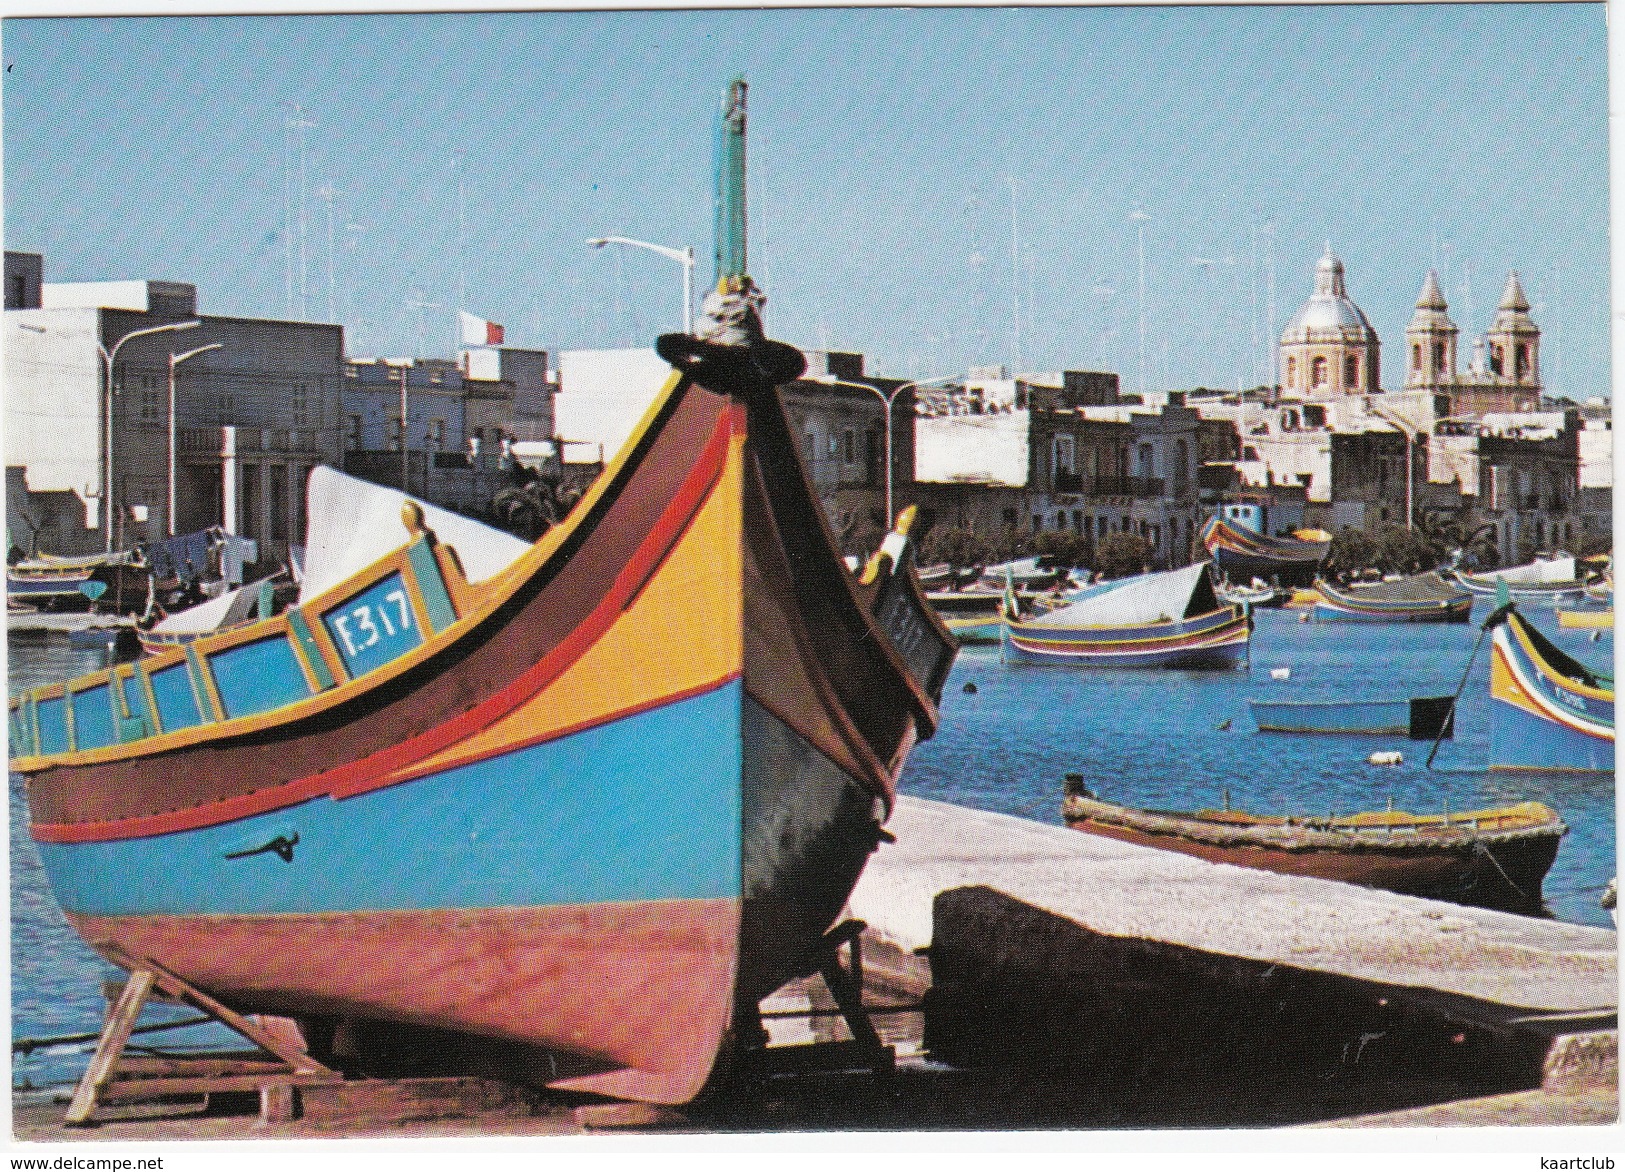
[
  {"x": 415, "y": 301},
  {"x": 327, "y": 193},
  {"x": 459, "y": 160}
]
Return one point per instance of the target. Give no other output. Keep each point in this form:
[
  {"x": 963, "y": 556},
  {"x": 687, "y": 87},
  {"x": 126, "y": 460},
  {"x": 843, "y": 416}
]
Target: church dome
[{"x": 1328, "y": 315}]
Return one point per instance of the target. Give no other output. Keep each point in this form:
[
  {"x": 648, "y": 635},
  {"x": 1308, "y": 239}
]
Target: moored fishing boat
[
  {"x": 972, "y": 615},
  {"x": 1258, "y": 594},
  {"x": 1421, "y": 598},
  {"x": 1242, "y": 553},
  {"x": 1490, "y": 858},
  {"x": 1168, "y": 619},
  {"x": 1419, "y": 717},
  {"x": 591, "y": 805},
  {"x": 1586, "y": 620},
  {"x": 1550, "y": 711},
  {"x": 1027, "y": 574},
  {"x": 47, "y": 584},
  {"x": 1544, "y": 582}
]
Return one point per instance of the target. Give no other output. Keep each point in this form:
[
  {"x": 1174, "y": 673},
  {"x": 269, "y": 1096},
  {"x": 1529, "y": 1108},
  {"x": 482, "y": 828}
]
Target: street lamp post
[
  {"x": 830, "y": 380},
  {"x": 683, "y": 256},
  {"x": 108, "y": 358},
  {"x": 1410, "y": 432},
  {"x": 174, "y": 361},
  {"x": 1140, "y": 217}
]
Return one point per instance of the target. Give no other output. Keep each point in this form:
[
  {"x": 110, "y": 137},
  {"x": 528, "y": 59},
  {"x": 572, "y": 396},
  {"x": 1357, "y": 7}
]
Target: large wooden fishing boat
[
  {"x": 592, "y": 807},
  {"x": 1550, "y": 711},
  {"x": 1167, "y": 619},
  {"x": 1421, "y": 598},
  {"x": 1490, "y": 858}
]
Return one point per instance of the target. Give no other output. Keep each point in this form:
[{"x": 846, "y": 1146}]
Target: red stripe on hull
[
  {"x": 647, "y": 987},
  {"x": 392, "y": 765}
]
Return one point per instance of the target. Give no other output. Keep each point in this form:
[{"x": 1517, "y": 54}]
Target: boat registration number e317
[{"x": 374, "y": 627}]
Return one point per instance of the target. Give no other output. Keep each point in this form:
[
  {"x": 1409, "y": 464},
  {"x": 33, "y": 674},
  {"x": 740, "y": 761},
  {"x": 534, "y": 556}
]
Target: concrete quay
[{"x": 1038, "y": 946}]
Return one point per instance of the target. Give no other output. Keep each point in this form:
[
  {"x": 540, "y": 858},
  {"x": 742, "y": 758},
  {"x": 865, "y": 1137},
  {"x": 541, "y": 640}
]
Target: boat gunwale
[
  {"x": 476, "y": 603},
  {"x": 1550, "y": 660},
  {"x": 401, "y": 761},
  {"x": 1422, "y": 832}
]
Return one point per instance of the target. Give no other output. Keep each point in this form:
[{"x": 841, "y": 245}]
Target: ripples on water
[
  {"x": 56, "y": 979},
  {"x": 1156, "y": 738},
  {"x": 1140, "y": 738}
]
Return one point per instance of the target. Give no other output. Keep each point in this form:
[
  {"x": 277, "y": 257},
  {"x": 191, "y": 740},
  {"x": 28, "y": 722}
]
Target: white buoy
[
  {"x": 1280, "y": 673},
  {"x": 1391, "y": 757}
]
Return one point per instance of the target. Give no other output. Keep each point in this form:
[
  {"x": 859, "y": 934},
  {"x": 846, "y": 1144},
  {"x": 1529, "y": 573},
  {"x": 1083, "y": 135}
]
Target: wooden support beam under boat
[{"x": 111, "y": 1079}]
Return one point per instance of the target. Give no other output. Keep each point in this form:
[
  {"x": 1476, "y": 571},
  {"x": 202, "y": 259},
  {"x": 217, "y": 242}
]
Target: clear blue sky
[{"x": 883, "y": 143}]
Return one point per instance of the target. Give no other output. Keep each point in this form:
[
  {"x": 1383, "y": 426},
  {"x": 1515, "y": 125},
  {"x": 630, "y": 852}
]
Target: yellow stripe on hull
[{"x": 694, "y": 600}]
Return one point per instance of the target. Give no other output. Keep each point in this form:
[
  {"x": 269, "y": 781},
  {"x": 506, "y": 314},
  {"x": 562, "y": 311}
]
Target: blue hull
[
  {"x": 1373, "y": 717},
  {"x": 1336, "y": 614},
  {"x": 1521, "y": 741},
  {"x": 507, "y": 831}
]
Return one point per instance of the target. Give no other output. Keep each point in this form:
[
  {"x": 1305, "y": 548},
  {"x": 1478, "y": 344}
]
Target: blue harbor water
[
  {"x": 1179, "y": 740},
  {"x": 1168, "y": 739}
]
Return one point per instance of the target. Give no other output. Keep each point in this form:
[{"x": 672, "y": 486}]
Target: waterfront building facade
[
  {"x": 972, "y": 447},
  {"x": 1071, "y": 457},
  {"x": 840, "y": 415},
  {"x": 440, "y": 430},
  {"x": 256, "y": 406}
]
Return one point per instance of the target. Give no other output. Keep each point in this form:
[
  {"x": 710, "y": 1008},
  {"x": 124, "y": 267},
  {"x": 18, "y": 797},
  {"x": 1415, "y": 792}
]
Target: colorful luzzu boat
[
  {"x": 589, "y": 809},
  {"x": 1549, "y": 582},
  {"x": 589, "y": 804},
  {"x": 1167, "y": 619},
  {"x": 1242, "y": 554},
  {"x": 1550, "y": 711},
  {"x": 1422, "y": 598},
  {"x": 32, "y": 583}
]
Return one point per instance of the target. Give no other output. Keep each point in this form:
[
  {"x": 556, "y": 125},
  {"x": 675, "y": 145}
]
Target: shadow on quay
[{"x": 1033, "y": 1021}]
